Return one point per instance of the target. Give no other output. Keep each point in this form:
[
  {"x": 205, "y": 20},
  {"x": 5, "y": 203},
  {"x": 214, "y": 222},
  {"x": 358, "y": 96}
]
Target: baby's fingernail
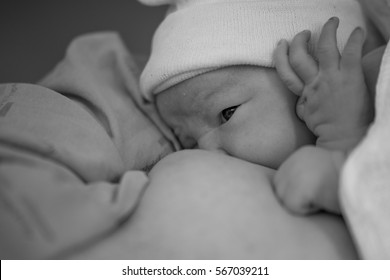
[
  {"x": 360, "y": 31},
  {"x": 306, "y": 32},
  {"x": 335, "y": 19}
]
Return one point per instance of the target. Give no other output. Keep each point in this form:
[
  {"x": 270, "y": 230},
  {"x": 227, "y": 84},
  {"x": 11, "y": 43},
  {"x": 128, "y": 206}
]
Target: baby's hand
[
  {"x": 333, "y": 97},
  {"x": 307, "y": 181}
]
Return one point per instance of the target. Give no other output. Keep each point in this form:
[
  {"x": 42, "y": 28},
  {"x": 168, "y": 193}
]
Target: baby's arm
[{"x": 334, "y": 103}]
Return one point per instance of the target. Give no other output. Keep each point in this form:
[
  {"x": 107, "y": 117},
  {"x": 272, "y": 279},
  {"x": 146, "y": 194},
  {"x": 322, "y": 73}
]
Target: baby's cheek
[
  {"x": 266, "y": 147},
  {"x": 250, "y": 148}
]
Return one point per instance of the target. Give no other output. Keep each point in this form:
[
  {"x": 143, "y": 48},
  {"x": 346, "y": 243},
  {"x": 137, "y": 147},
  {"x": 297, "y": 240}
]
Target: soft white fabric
[
  {"x": 365, "y": 181},
  {"x": 202, "y": 35},
  {"x": 100, "y": 74},
  {"x": 71, "y": 150}
]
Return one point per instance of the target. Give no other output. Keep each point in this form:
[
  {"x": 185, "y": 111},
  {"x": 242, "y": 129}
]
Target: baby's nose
[
  {"x": 211, "y": 142},
  {"x": 188, "y": 142}
]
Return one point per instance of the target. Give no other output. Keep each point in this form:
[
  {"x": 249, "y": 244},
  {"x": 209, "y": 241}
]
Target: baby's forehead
[
  {"x": 196, "y": 92},
  {"x": 208, "y": 89},
  {"x": 203, "y": 88}
]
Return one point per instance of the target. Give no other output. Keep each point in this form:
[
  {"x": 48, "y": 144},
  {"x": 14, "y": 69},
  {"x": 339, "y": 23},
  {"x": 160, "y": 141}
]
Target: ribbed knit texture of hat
[{"x": 198, "y": 36}]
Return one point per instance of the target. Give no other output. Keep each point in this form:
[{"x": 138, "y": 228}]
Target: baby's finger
[
  {"x": 352, "y": 54},
  {"x": 286, "y": 73},
  {"x": 327, "y": 51},
  {"x": 300, "y": 107},
  {"x": 300, "y": 60}
]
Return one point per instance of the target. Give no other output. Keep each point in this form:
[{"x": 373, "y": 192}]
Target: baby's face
[{"x": 243, "y": 111}]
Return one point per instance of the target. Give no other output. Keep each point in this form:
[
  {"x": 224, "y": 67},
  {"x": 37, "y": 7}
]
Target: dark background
[{"x": 35, "y": 33}]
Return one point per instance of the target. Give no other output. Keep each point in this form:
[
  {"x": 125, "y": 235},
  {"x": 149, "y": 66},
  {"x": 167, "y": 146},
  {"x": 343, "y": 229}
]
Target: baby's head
[
  {"x": 212, "y": 79},
  {"x": 244, "y": 111}
]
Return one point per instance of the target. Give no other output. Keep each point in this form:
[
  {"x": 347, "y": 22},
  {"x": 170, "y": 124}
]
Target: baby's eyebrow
[
  {"x": 207, "y": 97},
  {"x": 211, "y": 94},
  {"x": 204, "y": 99}
]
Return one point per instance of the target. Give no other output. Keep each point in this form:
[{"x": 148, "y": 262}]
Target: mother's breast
[{"x": 202, "y": 205}]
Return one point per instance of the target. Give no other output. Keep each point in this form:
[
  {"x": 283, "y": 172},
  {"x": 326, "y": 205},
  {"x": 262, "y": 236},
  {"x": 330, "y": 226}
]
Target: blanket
[
  {"x": 74, "y": 150},
  {"x": 365, "y": 182}
]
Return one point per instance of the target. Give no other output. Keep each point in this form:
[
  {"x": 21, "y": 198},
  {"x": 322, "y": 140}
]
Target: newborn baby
[{"x": 211, "y": 75}]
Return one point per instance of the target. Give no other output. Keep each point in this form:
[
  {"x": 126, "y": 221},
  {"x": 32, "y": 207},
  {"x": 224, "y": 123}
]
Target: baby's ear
[{"x": 371, "y": 65}]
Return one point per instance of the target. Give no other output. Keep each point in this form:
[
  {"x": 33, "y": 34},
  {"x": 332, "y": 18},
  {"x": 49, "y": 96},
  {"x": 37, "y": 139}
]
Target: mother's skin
[{"x": 203, "y": 205}]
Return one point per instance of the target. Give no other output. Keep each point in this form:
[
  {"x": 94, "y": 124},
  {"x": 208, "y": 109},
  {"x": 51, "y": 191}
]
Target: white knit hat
[{"x": 198, "y": 36}]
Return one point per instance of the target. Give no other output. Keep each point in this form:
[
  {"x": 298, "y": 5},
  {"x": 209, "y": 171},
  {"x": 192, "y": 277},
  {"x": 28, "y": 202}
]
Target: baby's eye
[{"x": 227, "y": 113}]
